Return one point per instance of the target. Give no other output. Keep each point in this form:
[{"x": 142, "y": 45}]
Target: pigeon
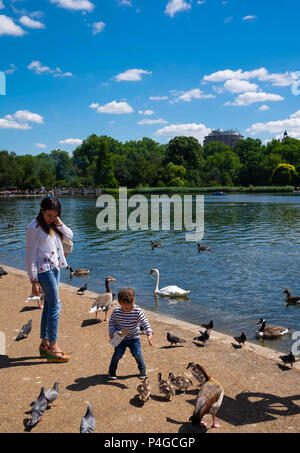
[
  {"x": 165, "y": 387},
  {"x": 25, "y": 331},
  {"x": 290, "y": 358},
  {"x": 3, "y": 272},
  {"x": 82, "y": 289},
  {"x": 241, "y": 339},
  {"x": 88, "y": 422},
  {"x": 181, "y": 383},
  {"x": 204, "y": 337},
  {"x": 52, "y": 394},
  {"x": 203, "y": 248},
  {"x": 208, "y": 326},
  {"x": 38, "y": 408},
  {"x": 173, "y": 339},
  {"x": 144, "y": 389}
]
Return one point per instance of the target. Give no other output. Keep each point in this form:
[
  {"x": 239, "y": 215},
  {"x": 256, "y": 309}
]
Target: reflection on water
[{"x": 254, "y": 241}]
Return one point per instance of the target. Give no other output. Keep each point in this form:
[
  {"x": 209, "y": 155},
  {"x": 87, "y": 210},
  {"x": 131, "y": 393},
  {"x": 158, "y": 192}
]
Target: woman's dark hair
[{"x": 47, "y": 204}]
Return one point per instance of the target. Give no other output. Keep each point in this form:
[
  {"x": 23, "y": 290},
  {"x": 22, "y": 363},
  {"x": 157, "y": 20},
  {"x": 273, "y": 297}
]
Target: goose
[
  {"x": 78, "y": 272},
  {"x": 167, "y": 291},
  {"x": 155, "y": 245},
  {"x": 209, "y": 398},
  {"x": 291, "y": 299},
  {"x": 203, "y": 248},
  {"x": 103, "y": 301},
  {"x": 270, "y": 332}
]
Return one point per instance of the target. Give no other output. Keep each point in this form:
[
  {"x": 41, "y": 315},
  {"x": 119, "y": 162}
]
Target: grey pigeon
[
  {"x": 25, "y": 331},
  {"x": 88, "y": 422},
  {"x": 3, "y": 271},
  {"x": 173, "y": 339},
  {"x": 38, "y": 408},
  {"x": 52, "y": 394}
]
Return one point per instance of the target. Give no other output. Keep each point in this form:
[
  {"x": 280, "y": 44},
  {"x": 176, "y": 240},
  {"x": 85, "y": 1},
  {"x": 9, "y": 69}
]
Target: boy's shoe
[
  {"x": 143, "y": 374},
  {"x": 111, "y": 377}
]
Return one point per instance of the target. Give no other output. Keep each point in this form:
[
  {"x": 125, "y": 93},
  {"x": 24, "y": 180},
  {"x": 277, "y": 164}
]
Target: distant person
[
  {"x": 44, "y": 259},
  {"x": 131, "y": 317}
]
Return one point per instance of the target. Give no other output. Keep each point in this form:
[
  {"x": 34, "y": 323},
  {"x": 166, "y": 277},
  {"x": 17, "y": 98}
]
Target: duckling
[
  {"x": 144, "y": 389},
  {"x": 196, "y": 372},
  {"x": 204, "y": 337},
  {"x": 241, "y": 339},
  {"x": 291, "y": 299},
  {"x": 208, "y": 326},
  {"x": 78, "y": 272},
  {"x": 270, "y": 332},
  {"x": 181, "y": 383},
  {"x": 203, "y": 248},
  {"x": 165, "y": 387},
  {"x": 290, "y": 358},
  {"x": 209, "y": 399}
]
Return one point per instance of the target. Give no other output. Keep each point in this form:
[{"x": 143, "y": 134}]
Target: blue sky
[{"x": 146, "y": 68}]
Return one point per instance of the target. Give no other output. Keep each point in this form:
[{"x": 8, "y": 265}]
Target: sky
[{"x": 146, "y": 68}]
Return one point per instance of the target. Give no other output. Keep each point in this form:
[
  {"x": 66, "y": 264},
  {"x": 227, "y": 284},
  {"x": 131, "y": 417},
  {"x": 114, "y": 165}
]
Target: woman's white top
[{"x": 44, "y": 251}]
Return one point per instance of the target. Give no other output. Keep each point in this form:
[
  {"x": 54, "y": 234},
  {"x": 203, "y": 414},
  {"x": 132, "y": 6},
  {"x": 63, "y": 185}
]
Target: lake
[{"x": 254, "y": 240}]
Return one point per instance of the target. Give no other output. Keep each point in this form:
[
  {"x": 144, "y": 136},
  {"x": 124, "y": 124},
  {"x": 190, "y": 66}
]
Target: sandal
[
  {"x": 43, "y": 351},
  {"x": 51, "y": 357}
]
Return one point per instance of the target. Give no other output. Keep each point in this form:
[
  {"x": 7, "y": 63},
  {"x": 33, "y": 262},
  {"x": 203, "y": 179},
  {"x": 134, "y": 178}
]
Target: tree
[
  {"x": 284, "y": 175},
  {"x": 104, "y": 174}
]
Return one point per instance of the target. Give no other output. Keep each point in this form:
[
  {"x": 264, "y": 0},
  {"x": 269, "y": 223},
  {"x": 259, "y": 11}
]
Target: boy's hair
[{"x": 126, "y": 295}]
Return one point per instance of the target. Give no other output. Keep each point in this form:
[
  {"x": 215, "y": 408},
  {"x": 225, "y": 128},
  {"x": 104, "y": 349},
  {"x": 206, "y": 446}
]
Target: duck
[
  {"x": 291, "y": 299},
  {"x": 181, "y": 383},
  {"x": 144, "y": 389},
  {"x": 167, "y": 291},
  {"x": 78, "y": 272},
  {"x": 103, "y": 301},
  {"x": 270, "y": 332},
  {"x": 165, "y": 387},
  {"x": 203, "y": 248},
  {"x": 209, "y": 398},
  {"x": 155, "y": 245}
]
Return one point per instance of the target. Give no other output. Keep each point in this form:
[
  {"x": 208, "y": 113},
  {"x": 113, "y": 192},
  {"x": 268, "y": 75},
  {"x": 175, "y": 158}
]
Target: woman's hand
[{"x": 35, "y": 289}]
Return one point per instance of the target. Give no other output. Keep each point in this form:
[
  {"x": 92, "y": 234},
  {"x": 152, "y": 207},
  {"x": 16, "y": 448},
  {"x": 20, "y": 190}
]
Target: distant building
[{"x": 229, "y": 138}]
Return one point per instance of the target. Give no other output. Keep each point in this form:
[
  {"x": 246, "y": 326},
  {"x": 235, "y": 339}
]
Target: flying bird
[
  {"x": 88, "y": 422},
  {"x": 173, "y": 339},
  {"x": 25, "y": 331},
  {"x": 208, "y": 326}
]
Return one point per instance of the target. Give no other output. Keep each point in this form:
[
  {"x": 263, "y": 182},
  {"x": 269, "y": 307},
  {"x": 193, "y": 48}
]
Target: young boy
[{"x": 129, "y": 316}]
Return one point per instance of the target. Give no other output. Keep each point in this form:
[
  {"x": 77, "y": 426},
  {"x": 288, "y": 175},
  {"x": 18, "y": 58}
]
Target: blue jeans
[
  {"x": 135, "y": 348},
  {"x": 49, "y": 282}
]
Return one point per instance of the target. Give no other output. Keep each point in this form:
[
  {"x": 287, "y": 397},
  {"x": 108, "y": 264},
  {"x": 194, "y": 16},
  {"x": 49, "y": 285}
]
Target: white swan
[{"x": 168, "y": 291}]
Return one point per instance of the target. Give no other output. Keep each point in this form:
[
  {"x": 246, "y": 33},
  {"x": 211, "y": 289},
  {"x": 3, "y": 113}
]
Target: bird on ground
[
  {"x": 241, "y": 339},
  {"x": 78, "y": 272},
  {"x": 155, "y": 245},
  {"x": 209, "y": 398},
  {"x": 25, "y": 331},
  {"x": 270, "y": 332},
  {"x": 208, "y": 326},
  {"x": 52, "y": 394},
  {"x": 290, "y": 358},
  {"x": 38, "y": 408},
  {"x": 181, "y": 383},
  {"x": 144, "y": 389},
  {"x": 167, "y": 291},
  {"x": 203, "y": 248},
  {"x": 103, "y": 301},
  {"x": 165, "y": 387},
  {"x": 88, "y": 422},
  {"x": 3, "y": 272},
  {"x": 204, "y": 337},
  {"x": 173, "y": 339},
  {"x": 81, "y": 290},
  {"x": 291, "y": 299}
]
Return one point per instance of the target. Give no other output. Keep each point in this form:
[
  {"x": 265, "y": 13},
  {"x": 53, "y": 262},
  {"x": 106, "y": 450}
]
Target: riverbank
[{"x": 261, "y": 395}]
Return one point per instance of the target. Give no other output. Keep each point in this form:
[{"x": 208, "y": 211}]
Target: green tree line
[{"x": 102, "y": 161}]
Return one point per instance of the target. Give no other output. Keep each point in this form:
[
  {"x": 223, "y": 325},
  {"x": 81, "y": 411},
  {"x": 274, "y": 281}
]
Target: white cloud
[
  {"x": 249, "y": 17},
  {"x": 174, "y": 6},
  {"x": 40, "y": 145},
  {"x": 38, "y": 68},
  {"x": 11, "y": 69},
  {"x": 198, "y": 131},
  {"x": 228, "y": 19},
  {"x": 8, "y": 27},
  {"x": 124, "y": 3},
  {"x": 277, "y": 79},
  {"x": 76, "y": 5},
  {"x": 250, "y": 97},
  {"x": 70, "y": 141},
  {"x": 146, "y": 112},
  {"x": 131, "y": 75},
  {"x": 1, "y": 4},
  {"x": 264, "y": 108},
  {"x": 148, "y": 121},
  {"x": 158, "y": 98},
  {"x": 20, "y": 120},
  {"x": 98, "y": 27},
  {"x": 239, "y": 86},
  {"x": 30, "y": 23},
  {"x": 196, "y": 93},
  {"x": 114, "y": 107},
  {"x": 291, "y": 124}
]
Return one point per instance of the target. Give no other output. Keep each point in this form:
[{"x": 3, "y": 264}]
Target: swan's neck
[{"x": 157, "y": 282}]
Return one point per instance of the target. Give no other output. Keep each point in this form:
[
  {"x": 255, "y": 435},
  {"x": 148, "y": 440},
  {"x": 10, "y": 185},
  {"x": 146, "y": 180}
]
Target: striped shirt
[{"x": 132, "y": 321}]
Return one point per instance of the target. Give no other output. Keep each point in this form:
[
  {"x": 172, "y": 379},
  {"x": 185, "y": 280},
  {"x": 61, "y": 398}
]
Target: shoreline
[{"x": 261, "y": 394}]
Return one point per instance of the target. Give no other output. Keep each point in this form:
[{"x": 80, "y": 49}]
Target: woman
[{"x": 44, "y": 259}]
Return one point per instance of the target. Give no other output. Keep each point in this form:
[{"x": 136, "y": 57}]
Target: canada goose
[
  {"x": 168, "y": 291},
  {"x": 209, "y": 398},
  {"x": 291, "y": 299},
  {"x": 144, "y": 389},
  {"x": 78, "y": 272},
  {"x": 270, "y": 332},
  {"x": 103, "y": 301},
  {"x": 241, "y": 339},
  {"x": 203, "y": 248},
  {"x": 290, "y": 358},
  {"x": 181, "y": 383},
  {"x": 173, "y": 339},
  {"x": 155, "y": 245},
  {"x": 165, "y": 387}
]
